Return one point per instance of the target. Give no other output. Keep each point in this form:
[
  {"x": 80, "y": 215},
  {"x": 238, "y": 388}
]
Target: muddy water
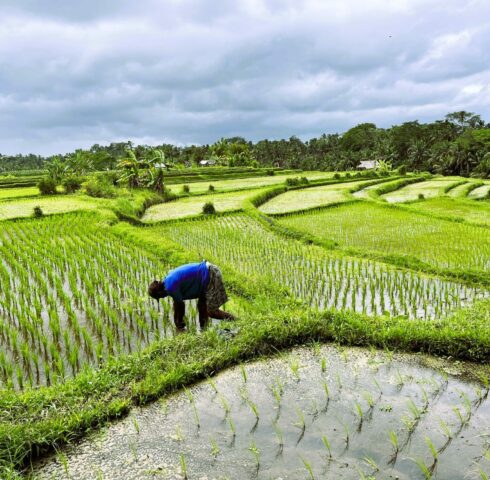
[{"x": 267, "y": 419}]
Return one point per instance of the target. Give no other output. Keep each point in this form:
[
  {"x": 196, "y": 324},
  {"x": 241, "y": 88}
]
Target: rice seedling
[
  {"x": 212, "y": 383},
  {"x": 327, "y": 445},
  {"x": 244, "y": 373},
  {"x": 433, "y": 450},
  {"x": 446, "y": 430},
  {"x": 294, "y": 365},
  {"x": 369, "y": 461},
  {"x": 225, "y": 405},
  {"x": 324, "y": 365},
  {"x": 279, "y": 436},
  {"x": 192, "y": 401},
  {"x": 360, "y": 415},
  {"x": 308, "y": 467},
  {"x": 136, "y": 425},
  {"x": 414, "y": 410},
  {"x": 300, "y": 423},
  {"x": 424, "y": 469},
  {"x": 256, "y": 454},
  {"x": 396, "y": 446},
  {"x": 231, "y": 424},
  {"x": 183, "y": 466},
  {"x": 215, "y": 450},
  {"x": 346, "y": 435}
]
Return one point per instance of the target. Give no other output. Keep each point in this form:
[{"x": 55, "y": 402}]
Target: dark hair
[{"x": 157, "y": 290}]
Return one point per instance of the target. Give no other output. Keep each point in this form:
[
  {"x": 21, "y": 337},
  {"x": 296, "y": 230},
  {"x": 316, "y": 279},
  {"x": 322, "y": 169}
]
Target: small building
[
  {"x": 368, "y": 165},
  {"x": 207, "y": 163}
]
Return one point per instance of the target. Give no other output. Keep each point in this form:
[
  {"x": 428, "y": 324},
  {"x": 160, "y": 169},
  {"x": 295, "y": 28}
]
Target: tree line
[{"x": 457, "y": 145}]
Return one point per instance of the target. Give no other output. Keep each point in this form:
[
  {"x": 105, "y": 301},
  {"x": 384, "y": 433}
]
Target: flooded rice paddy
[{"x": 319, "y": 412}]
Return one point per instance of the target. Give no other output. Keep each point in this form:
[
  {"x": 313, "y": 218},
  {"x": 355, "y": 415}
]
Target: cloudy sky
[{"x": 191, "y": 71}]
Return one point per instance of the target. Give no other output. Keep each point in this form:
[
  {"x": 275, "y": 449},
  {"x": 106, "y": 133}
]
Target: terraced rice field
[
  {"x": 456, "y": 209},
  {"x": 386, "y": 230},
  {"x": 18, "y": 208},
  {"x": 247, "y": 183},
  {"x": 323, "y": 279},
  {"x": 480, "y": 192},
  {"x": 429, "y": 189},
  {"x": 187, "y": 206},
  {"x": 6, "y": 193},
  {"x": 303, "y": 199},
  {"x": 72, "y": 294}
]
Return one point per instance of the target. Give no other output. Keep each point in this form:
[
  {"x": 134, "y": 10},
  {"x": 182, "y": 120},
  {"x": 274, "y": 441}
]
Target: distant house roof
[
  {"x": 207, "y": 162},
  {"x": 368, "y": 164}
]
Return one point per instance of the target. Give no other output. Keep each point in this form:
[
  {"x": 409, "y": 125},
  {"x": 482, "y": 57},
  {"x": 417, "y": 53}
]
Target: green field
[
  {"x": 480, "y": 192},
  {"x": 311, "y": 197},
  {"x": 246, "y": 183},
  {"x": 458, "y": 209},
  {"x": 74, "y": 298},
  {"x": 386, "y": 230},
  {"x": 323, "y": 279},
  {"x": 427, "y": 189},
  {"x": 49, "y": 205},
  {"x": 81, "y": 342},
  {"x": 6, "y": 193},
  {"x": 223, "y": 202}
]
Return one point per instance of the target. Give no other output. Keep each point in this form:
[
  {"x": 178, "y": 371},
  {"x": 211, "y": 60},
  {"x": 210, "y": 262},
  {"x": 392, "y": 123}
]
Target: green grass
[
  {"x": 189, "y": 206},
  {"x": 429, "y": 188},
  {"x": 307, "y": 198},
  {"x": 6, "y": 193},
  {"x": 387, "y": 230},
  {"x": 458, "y": 209}
]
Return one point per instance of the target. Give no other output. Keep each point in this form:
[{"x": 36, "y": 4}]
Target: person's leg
[
  {"x": 202, "y": 308},
  {"x": 179, "y": 312},
  {"x": 216, "y": 295}
]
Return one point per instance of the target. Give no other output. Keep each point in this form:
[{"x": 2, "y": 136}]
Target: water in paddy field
[{"x": 310, "y": 413}]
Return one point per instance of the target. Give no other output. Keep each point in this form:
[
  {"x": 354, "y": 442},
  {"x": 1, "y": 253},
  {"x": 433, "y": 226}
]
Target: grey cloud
[{"x": 193, "y": 71}]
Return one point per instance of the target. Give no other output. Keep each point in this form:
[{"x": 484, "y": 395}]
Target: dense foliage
[{"x": 457, "y": 145}]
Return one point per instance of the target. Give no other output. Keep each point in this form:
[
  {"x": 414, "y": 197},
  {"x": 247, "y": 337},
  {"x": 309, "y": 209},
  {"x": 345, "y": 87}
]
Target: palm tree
[
  {"x": 128, "y": 169},
  {"x": 80, "y": 162},
  {"x": 56, "y": 169}
]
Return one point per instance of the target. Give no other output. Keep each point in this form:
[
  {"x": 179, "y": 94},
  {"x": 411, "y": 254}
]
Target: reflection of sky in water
[{"x": 354, "y": 376}]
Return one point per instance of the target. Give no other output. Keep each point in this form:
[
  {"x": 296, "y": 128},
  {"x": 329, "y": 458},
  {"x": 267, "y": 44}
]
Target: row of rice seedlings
[
  {"x": 73, "y": 295},
  {"x": 324, "y": 279},
  {"x": 373, "y": 227},
  {"x": 333, "y": 451}
]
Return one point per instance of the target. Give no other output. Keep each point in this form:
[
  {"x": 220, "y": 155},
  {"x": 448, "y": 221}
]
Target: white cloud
[{"x": 194, "y": 71}]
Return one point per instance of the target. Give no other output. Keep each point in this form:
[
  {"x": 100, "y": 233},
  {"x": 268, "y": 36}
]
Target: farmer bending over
[{"x": 194, "y": 280}]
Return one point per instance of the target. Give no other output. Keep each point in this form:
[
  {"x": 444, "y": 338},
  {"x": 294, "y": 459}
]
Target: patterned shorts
[{"x": 215, "y": 293}]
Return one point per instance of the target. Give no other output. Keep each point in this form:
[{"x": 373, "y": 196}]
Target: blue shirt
[{"x": 187, "y": 281}]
